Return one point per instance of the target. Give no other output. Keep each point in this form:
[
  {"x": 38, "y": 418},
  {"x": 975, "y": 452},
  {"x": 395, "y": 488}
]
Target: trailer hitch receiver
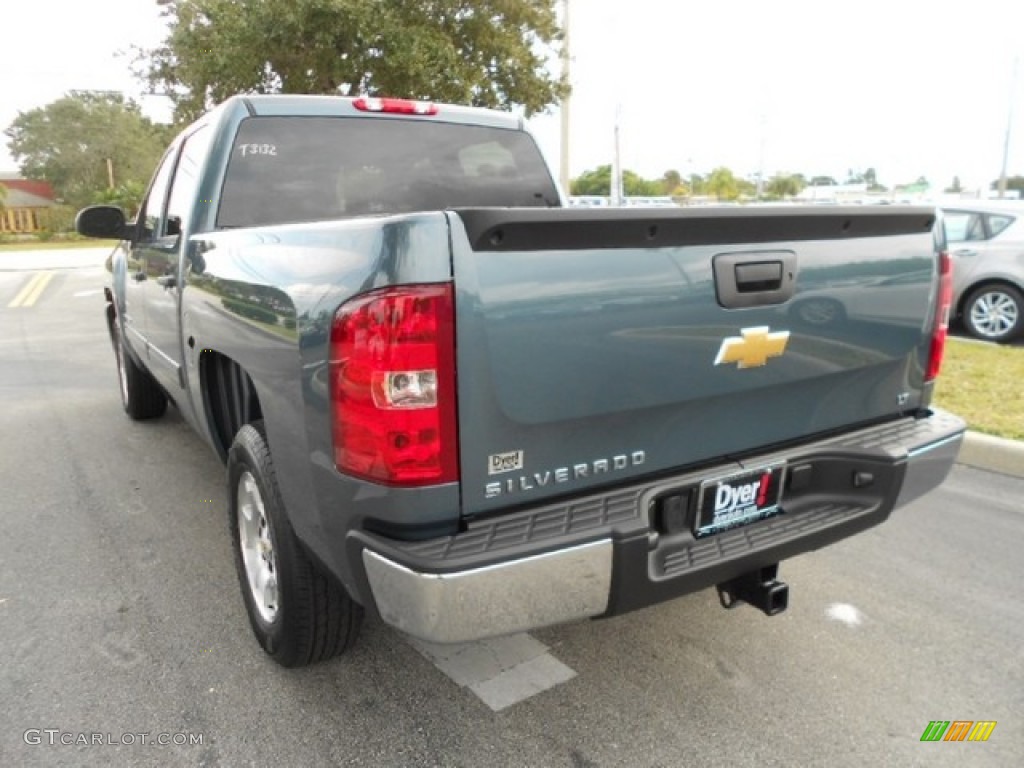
[{"x": 760, "y": 588}]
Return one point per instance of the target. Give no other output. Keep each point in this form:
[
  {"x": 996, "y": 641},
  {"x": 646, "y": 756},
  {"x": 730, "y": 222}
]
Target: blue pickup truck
[{"x": 445, "y": 398}]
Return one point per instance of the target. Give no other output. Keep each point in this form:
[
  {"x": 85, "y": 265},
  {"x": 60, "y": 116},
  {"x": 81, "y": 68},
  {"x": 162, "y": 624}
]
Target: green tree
[
  {"x": 599, "y": 182},
  {"x": 634, "y": 185},
  {"x": 955, "y": 187},
  {"x": 128, "y": 196},
  {"x": 722, "y": 184},
  {"x": 784, "y": 185},
  {"x": 671, "y": 181},
  {"x": 490, "y": 53},
  {"x": 595, "y": 182},
  {"x": 871, "y": 179},
  {"x": 1012, "y": 182},
  {"x": 76, "y": 141}
]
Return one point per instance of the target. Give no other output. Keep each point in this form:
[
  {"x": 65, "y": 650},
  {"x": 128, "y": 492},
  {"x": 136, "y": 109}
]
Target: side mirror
[{"x": 105, "y": 221}]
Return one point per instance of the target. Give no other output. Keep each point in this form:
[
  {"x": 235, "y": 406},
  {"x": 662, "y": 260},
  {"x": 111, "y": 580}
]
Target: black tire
[
  {"x": 994, "y": 312},
  {"x": 141, "y": 396},
  {"x": 303, "y": 616}
]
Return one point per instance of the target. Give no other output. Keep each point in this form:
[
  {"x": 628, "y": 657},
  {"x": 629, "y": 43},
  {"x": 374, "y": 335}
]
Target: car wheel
[
  {"x": 141, "y": 396},
  {"x": 298, "y": 614},
  {"x": 995, "y": 313}
]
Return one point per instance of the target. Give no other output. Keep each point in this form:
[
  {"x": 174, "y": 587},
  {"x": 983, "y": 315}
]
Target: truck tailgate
[{"x": 597, "y": 346}]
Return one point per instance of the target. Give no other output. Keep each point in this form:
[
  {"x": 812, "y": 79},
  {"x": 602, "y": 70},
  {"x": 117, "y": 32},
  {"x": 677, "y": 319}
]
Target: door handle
[
  {"x": 754, "y": 278},
  {"x": 965, "y": 252},
  {"x": 759, "y": 276}
]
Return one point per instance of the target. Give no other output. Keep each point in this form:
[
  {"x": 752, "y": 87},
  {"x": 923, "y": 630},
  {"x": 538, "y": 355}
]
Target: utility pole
[
  {"x": 617, "y": 191},
  {"x": 760, "y": 161},
  {"x": 110, "y": 173},
  {"x": 1009, "y": 125},
  {"x": 563, "y": 174}
]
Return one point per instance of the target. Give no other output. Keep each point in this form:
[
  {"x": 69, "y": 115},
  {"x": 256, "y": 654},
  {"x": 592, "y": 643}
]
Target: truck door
[
  {"x": 164, "y": 280},
  {"x": 149, "y": 233}
]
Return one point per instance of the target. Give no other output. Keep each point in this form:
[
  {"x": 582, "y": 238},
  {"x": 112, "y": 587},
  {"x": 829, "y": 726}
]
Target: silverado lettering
[
  {"x": 562, "y": 474},
  {"x": 361, "y": 304}
]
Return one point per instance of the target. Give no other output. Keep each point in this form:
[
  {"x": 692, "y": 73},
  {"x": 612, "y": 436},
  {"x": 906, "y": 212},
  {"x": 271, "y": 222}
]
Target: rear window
[{"x": 291, "y": 169}]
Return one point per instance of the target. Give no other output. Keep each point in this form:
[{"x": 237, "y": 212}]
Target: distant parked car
[
  {"x": 895, "y": 299},
  {"x": 986, "y": 240}
]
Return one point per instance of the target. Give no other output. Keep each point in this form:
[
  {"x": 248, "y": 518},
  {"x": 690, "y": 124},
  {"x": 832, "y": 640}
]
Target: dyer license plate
[{"x": 739, "y": 499}]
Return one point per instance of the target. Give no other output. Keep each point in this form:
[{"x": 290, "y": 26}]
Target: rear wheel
[
  {"x": 299, "y": 615},
  {"x": 995, "y": 313},
  {"x": 141, "y": 396}
]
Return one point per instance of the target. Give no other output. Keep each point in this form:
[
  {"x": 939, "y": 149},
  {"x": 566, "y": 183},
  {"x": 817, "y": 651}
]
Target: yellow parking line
[
  {"x": 26, "y": 290},
  {"x": 32, "y": 290},
  {"x": 38, "y": 290}
]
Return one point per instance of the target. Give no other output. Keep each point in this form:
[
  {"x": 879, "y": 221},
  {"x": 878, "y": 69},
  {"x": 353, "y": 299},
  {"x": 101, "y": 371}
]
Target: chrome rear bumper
[{"x": 518, "y": 595}]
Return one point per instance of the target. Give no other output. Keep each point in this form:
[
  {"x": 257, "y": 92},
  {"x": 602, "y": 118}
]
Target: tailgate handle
[
  {"x": 754, "y": 278},
  {"x": 759, "y": 276}
]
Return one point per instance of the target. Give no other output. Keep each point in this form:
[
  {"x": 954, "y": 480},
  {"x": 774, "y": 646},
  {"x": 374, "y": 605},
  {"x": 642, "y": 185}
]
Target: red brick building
[{"x": 23, "y": 208}]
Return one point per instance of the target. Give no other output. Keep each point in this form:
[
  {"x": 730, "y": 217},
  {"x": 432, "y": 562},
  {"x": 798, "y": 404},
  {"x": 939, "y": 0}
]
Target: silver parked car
[{"x": 986, "y": 241}]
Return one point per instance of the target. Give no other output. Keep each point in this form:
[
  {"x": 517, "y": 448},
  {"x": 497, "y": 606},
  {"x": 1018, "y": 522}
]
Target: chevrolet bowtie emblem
[{"x": 753, "y": 348}]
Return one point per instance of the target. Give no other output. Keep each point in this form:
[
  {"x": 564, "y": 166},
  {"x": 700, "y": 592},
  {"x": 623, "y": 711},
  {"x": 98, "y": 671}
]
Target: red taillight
[
  {"x": 941, "y": 327},
  {"x": 392, "y": 375},
  {"x": 394, "y": 106}
]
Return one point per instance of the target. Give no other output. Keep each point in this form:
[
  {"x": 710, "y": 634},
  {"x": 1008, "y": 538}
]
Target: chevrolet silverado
[{"x": 445, "y": 398}]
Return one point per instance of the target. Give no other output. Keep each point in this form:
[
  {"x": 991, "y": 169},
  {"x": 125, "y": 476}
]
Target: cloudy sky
[{"x": 909, "y": 88}]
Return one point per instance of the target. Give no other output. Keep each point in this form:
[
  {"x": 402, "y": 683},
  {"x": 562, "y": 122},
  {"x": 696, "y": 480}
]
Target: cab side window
[
  {"x": 185, "y": 189},
  {"x": 151, "y": 214}
]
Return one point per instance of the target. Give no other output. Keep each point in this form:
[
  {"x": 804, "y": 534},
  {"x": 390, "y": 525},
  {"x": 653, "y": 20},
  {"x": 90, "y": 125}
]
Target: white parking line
[{"x": 501, "y": 671}]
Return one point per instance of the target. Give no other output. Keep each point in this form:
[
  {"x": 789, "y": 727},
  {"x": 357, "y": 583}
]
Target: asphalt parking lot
[{"x": 121, "y": 617}]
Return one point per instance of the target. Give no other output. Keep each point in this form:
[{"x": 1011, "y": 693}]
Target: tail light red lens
[
  {"x": 941, "y": 327},
  {"x": 392, "y": 384}
]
